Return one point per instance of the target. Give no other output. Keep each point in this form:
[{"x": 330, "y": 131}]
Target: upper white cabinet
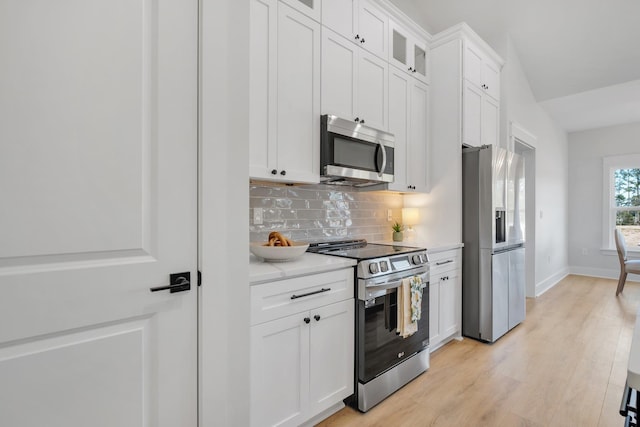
[
  {"x": 481, "y": 70},
  {"x": 311, "y": 8},
  {"x": 466, "y": 81},
  {"x": 409, "y": 101},
  {"x": 359, "y": 21},
  {"x": 408, "y": 52},
  {"x": 354, "y": 82},
  {"x": 418, "y": 144},
  {"x": 284, "y": 116},
  {"x": 408, "y": 121}
]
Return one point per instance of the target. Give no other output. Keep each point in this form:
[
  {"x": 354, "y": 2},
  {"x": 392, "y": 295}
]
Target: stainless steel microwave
[{"x": 354, "y": 154}]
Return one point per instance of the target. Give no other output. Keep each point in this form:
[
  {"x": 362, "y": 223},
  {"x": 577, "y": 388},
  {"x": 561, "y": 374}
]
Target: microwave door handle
[{"x": 384, "y": 159}]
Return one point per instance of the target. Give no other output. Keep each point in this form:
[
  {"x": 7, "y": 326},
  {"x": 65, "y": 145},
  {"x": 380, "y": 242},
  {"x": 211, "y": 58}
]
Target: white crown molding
[
  {"x": 463, "y": 31},
  {"x": 402, "y": 18}
]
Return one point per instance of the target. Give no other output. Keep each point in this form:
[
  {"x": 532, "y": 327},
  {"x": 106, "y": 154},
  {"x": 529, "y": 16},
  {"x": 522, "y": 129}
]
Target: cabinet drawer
[
  {"x": 442, "y": 262},
  {"x": 285, "y": 297}
]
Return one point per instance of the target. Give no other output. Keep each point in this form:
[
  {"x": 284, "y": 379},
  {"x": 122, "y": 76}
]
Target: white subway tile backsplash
[{"x": 322, "y": 213}]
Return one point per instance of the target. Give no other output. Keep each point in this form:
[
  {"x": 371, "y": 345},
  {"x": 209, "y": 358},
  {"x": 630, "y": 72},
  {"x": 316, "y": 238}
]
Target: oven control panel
[{"x": 381, "y": 266}]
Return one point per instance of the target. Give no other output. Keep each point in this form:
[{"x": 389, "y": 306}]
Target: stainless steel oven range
[{"x": 384, "y": 361}]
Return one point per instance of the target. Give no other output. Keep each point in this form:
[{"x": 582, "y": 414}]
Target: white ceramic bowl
[{"x": 278, "y": 253}]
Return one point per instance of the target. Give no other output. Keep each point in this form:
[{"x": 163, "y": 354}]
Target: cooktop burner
[{"x": 359, "y": 249}]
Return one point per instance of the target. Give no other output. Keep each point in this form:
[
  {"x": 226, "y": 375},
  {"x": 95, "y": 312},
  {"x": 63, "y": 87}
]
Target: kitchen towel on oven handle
[{"x": 409, "y": 306}]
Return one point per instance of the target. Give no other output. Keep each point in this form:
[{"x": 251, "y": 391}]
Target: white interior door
[{"x": 98, "y": 180}]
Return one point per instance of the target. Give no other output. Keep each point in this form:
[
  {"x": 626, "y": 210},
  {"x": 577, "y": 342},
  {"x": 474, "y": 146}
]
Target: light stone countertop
[{"x": 261, "y": 272}]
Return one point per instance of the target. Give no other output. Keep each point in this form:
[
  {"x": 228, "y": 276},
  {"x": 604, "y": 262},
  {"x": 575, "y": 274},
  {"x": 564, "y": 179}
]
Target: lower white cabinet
[
  {"x": 302, "y": 363},
  {"x": 445, "y": 297}
]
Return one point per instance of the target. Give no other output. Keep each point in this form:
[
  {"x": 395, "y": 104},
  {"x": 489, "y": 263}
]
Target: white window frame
[{"x": 609, "y": 209}]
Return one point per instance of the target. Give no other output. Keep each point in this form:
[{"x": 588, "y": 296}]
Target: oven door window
[
  {"x": 380, "y": 347},
  {"x": 358, "y": 154}
]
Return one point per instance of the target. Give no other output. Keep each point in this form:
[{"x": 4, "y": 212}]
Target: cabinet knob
[
  {"x": 307, "y": 320},
  {"x": 362, "y": 41},
  {"x": 317, "y": 317},
  {"x": 283, "y": 173},
  {"x": 357, "y": 36},
  {"x": 410, "y": 68},
  {"x": 273, "y": 171},
  {"x": 357, "y": 120},
  {"x": 362, "y": 121},
  {"x": 414, "y": 70}
]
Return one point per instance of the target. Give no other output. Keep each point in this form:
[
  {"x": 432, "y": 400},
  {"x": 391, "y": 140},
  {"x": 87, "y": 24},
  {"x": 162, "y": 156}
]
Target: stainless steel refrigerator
[{"x": 493, "y": 261}]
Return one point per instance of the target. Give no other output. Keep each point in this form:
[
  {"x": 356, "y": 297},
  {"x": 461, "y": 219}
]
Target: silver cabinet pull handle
[{"x": 444, "y": 262}]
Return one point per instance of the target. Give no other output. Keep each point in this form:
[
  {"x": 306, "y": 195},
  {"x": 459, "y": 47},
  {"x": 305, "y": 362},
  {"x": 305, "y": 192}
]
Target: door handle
[{"x": 178, "y": 282}]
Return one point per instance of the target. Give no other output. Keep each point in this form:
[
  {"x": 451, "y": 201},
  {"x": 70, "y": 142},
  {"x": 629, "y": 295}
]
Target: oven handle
[{"x": 378, "y": 290}]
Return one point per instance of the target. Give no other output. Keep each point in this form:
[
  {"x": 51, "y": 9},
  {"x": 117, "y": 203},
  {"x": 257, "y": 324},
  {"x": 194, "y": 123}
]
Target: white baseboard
[
  {"x": 604, "y": 273},
  {"x": 551, "y": 281}
]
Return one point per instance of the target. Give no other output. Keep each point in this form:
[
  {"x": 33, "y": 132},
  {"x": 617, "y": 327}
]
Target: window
[{"x": 622, "y": 200}]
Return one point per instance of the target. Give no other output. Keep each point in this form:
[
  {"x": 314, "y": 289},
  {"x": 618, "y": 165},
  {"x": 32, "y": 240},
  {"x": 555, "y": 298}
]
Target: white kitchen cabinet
[
  {"x": 490, "y": 126},
  {"x": 359, "y": 21},
  {"x": 472, "y": 114},
  {"x": 466, "y": 81},
  {"x": 408, "y": 52},
  {"x": 480, "y": 117},
  {"x": 354, "y": 82},
  {"x": 331, "y": 354},
  {"x": 373, "y": 81},
  {"x": 280, "y": 372},
  {"x": 311, "y": 8},
  {"x": 302, "y": 348},
  {"x": 481, "y": 70},
  {"x": 418, "y": 144},
  {"x": 408, "y": 121},
  {"x": 284, "y": 116},
  {"x": 445, "y": 297},
  {"x": 399, "y": 116}
]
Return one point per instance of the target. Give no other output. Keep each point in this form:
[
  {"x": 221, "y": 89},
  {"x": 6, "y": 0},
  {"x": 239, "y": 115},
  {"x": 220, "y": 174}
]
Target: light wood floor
[{"x": 564, "y": 366}]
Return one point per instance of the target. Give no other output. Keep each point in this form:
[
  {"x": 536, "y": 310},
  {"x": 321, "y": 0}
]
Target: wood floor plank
[{"x": 565, "y": 365}]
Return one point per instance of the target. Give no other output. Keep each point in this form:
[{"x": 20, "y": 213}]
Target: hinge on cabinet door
[{"x": 199, "y": 278}]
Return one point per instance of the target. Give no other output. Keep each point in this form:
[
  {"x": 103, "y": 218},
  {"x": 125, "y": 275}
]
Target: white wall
[
  {"x": 552, "y": 178},
  {"x": 586, "y": 150},
  {"x": 413, "y": 11},
  {"x": 224, "y": 207}
]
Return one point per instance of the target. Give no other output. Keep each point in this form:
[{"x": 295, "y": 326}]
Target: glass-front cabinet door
[{"x": 408, "y": 52}]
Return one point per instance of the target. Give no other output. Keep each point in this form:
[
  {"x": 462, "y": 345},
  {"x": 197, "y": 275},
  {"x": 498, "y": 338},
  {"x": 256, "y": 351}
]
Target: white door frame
[{"x": 223, "y": 253}]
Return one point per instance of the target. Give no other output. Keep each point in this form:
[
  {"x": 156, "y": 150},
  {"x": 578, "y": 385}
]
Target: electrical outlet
[
  {"x": 257, "y": 216},
  {"x": 389, "y": 216}
]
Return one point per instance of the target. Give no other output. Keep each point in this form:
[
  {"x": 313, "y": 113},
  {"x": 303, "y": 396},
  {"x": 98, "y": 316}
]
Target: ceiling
[{"x": 581, "y": 57}]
